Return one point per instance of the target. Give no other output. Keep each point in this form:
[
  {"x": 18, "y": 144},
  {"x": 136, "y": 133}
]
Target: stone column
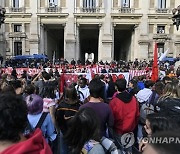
[
  {"x": 112, "y": 51},
  {"x": 23, "y": 40},
  {"x": 143, "y": 29},
  {"x": 69, "y": 33},
  {"x": 100, "y": 48},
  {"x": 42, "y": 39},
  {"x": 34, "y": 36},
  {"x": 77, "y": 43},
  {"x": 106, "y": 52},
  {"x": 2, "y": 41},
  {"x": 45, "y": 42},
  {"x": 131, "y": 55}
]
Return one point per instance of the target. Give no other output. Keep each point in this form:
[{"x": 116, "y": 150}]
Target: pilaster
[
  {"x": 69, "y": 34},
  {"x": 34, "y": 36}
]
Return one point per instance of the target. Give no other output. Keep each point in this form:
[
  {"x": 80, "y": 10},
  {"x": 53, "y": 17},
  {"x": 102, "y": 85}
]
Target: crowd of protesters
[
  {"x": 115, "y": 66},
  {"x": 90, "y": 116}
]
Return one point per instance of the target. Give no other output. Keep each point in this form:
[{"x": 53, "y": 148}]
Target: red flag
[
  {"x": 154, "y": 76},
  {"x": 62, "y": 82}
]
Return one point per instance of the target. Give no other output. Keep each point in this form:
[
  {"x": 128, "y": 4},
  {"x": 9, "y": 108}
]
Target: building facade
[{"x": 107, "y": 29}]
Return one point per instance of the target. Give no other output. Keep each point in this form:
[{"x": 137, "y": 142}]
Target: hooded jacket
[
  {"x": 143, "y": 95},
  {"x": 126, "y": 112},
  {"x": 35, "y": 144}
]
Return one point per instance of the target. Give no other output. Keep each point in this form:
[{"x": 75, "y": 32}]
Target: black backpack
[{"x": 29, "y": 128}]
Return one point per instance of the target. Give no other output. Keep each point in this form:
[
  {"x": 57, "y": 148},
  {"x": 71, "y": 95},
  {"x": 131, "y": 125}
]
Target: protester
[
  {"x": 66, "y": 110},
  {"x": 110, "y": 87},
  {"x": 167, "y": 143},
  {"x": 97, "y": 92},
  {"x": 83, "y": 134},
  {"x": 170, "y": 100},
  {"x": 35, "y": 112},
  {"x": 13, "y": 119},
  {"x": 103, "y": 111},
  {"x": 125, "y": 110},
  {"x": 133, "y": 87},
  {"x": 82, "y": 89},
  {"x": 144, "y": 94}
]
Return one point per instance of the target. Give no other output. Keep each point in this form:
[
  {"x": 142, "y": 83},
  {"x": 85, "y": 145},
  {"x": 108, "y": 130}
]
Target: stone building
[{"x": 110, "y": 29}]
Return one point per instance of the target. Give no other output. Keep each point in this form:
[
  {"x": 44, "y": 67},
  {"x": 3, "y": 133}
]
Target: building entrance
[
  {"x": 122, "y": 42},
  {"x": 89, "y": 38},
  {"x": 54, "y": 41}
]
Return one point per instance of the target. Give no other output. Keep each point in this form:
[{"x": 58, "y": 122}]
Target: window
[
  {"x": 89, "y": 3},
  {"x": 17, "y": 48},
  {"x": 17, "y": 28},
  {"x": 53, "y": 3},
  {"x": 125, "y": 3},
  {"x": 161, "y": 4},
  {"x": 16, "y": 3},
  {"x": 160, "y": 29},
  {"x": 160, "y": 47}
]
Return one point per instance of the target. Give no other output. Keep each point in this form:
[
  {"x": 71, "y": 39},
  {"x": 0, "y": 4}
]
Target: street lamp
[
  {"x": 176, "y": 17},
  {"x": 2, "y": 15}
]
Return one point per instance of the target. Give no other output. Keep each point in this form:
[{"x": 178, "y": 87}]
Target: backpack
[
  {"x": 108, "y": 146},
  {"x": 29, "y": 128},
  {"x": 147, "y": 108}
]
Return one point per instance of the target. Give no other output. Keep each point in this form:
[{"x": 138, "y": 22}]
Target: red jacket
[
  {"x": 35, "y": 144},
  {"x": 126, "y": 112}
]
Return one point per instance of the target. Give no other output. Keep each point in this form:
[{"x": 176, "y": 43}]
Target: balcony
[
  {"x": 160, "y": 10},
  {"x": 53, "y": 9},
  {"x": 161, "y": 37},
  {"x": 126, "y": 10},
  {"x": 90, "y": 10},
  {"x": 14, "y": 9},
  {"x": 17, "y": 35}
]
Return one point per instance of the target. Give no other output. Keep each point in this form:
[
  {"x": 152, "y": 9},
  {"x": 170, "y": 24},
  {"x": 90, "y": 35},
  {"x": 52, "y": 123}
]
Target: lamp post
[
  {"x": 2, "y": 15},
  {"x": 176, "y": 17}
]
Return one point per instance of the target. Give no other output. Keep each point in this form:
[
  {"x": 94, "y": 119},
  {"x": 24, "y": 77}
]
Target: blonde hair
[{"x": 171, "y": 90}]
